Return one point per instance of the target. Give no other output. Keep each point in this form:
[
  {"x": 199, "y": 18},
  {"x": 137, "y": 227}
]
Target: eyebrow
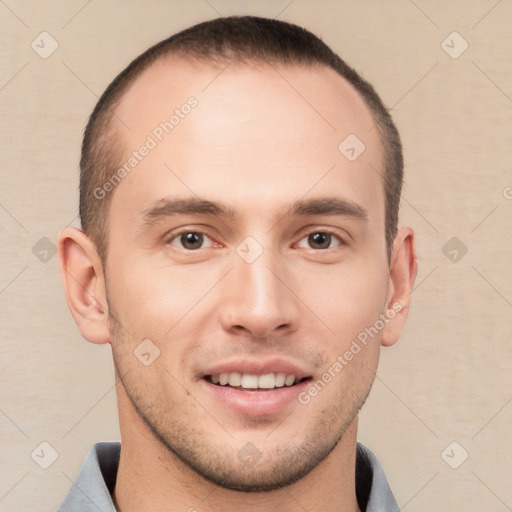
[
  {"x": 169, "y": 206},
  {"x": 327, "y": 206}
]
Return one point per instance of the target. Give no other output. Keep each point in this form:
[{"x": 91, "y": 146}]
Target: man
[{"x": 240, "y": 252}]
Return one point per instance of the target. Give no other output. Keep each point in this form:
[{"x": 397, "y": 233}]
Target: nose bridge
[
  {"x": 260, "y": 279},
  {"x": 258, "y": 299}
]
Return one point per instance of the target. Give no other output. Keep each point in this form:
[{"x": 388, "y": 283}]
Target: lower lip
[{"x": 255, "y": 403}]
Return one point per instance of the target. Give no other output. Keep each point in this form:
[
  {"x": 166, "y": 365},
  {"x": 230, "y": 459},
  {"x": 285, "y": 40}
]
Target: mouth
[
  {"x": 255, "y": 382},
  {"x": 255, "y": 388}
]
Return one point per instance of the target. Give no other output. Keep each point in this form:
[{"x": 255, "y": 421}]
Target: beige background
[{"x": 449, "y": 378}]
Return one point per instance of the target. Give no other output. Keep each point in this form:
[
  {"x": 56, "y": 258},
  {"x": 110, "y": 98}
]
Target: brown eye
[
  {"x": 192, "y": 240},
  {"x": 319, "y": 240}
]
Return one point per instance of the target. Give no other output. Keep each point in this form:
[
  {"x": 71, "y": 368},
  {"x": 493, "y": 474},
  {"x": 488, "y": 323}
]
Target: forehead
[
  {"x": 268, "y": 132},
  {"x": 314, "y": 91}
]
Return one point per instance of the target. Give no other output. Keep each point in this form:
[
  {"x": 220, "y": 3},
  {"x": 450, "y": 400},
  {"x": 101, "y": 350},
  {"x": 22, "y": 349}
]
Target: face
[{"x": 249, "y": 249}]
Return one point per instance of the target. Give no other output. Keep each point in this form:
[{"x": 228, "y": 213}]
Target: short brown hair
[{"x": 231, "y": 39}]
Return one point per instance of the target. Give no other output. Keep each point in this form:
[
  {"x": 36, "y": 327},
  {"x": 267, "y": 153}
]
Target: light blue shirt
[{"x": 92, "y": 489}]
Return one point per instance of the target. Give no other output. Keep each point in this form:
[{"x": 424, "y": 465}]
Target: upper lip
[{"x": 258, "y": 367}]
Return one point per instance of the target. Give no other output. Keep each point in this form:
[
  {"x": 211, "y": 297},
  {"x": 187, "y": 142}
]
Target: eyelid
[
  {"x": 330, "y": 231},
  {"x": 172, "y": 236},
  {"x": 305, "y": 232}
]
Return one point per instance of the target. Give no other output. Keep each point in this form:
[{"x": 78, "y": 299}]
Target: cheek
[
  {"x": 350, "y": 299},
  {"x": 150, "y": 299}
]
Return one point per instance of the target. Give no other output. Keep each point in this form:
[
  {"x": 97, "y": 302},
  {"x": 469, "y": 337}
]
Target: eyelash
[
  {"x": 330, "y": 232},
  {"x": 177, "y": 236}
]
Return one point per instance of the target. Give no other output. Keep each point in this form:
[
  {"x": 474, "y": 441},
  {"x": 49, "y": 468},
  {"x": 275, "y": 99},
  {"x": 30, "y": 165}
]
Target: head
[{"x": 225, "y": 231}]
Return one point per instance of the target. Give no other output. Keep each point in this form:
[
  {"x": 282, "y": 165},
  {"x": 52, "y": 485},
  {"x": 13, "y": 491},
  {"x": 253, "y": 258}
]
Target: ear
[
  {"x": 402, "y": 274},
  {"x": 84, "y": 284}
]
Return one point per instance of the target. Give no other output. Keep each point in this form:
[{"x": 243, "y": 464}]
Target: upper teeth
[{"x": 252, "y": 381}]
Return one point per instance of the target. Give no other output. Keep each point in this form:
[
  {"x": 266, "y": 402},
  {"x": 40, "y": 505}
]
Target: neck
[{"x": 153, "y": 479}]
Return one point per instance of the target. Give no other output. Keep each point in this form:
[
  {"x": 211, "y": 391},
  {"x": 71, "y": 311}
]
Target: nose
[{"x": 258, "y": 298}]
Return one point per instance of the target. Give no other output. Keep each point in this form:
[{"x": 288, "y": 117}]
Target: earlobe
[
  {"x": 402, "y": 274},
  {"x": 84, "y": 284}
]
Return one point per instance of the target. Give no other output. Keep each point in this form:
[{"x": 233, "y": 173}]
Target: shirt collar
[
  {"x": 372, "y": 488},
  {"x": 92, "y": 489}
]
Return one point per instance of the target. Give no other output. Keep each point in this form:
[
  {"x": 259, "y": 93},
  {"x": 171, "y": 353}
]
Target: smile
[{"x": 253, "y": 381}]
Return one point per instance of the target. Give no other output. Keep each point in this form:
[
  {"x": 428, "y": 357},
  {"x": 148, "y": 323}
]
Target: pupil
[
  {"x": 191, "y": 240},
  {"x": 321, "y": 240}
]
